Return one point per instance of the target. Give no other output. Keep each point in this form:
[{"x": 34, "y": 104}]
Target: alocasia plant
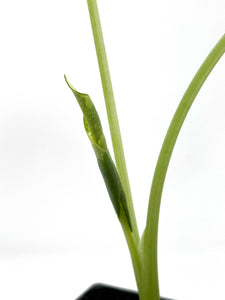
[{"x": 143, "y": 250}]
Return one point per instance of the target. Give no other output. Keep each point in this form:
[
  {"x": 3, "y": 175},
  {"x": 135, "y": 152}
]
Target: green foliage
[
  {"x": 93, "y": 127},
  {"x": 143, "y": 251}
]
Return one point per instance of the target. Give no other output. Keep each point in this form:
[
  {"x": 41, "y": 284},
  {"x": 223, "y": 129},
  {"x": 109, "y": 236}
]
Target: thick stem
[
  {"x": 151, "y": 231},
  {"x": 135, "y": 257},
  {"x": 111, "y": 110}
]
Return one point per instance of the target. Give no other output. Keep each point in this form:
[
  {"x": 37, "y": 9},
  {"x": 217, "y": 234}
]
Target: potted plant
[{"x": 143, "y": 249}]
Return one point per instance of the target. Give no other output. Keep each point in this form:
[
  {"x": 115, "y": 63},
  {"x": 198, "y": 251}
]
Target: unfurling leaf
[{"x": 106, "y": 165}]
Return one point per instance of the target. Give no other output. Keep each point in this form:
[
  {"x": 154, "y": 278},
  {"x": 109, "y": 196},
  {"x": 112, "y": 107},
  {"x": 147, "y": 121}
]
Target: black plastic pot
[{"x": 101, "y": 291}]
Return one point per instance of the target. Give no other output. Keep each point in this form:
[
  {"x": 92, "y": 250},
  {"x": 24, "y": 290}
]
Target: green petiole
[
  {"x": 149, "y": 238},
  {"x": 111, "y": 110}
]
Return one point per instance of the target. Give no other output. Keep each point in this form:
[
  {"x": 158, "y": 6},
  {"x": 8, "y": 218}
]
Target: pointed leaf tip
[{"x": 107, "y": 167}]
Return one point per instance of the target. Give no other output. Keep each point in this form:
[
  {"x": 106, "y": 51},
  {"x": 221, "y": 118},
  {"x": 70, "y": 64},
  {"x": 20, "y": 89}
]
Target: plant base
[{"x": 101, "y": 291}]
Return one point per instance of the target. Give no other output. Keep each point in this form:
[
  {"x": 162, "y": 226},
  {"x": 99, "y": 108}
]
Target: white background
[{"x": 58, "y": 231}]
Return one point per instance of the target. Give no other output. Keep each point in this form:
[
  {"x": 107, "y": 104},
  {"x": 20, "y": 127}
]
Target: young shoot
[{"x": 143, "y": 250}]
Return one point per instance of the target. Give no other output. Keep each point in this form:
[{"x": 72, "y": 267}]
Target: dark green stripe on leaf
[
  {"x": 107, "y": 167},
  {"x": 114, "y": 186}
]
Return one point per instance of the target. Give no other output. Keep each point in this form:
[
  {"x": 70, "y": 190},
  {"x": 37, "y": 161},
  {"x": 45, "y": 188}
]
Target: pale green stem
[
  {"x": 136, "y": 261},
  {"x": 150, "y": 275},
  {"x": 111, "y": 110}
]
